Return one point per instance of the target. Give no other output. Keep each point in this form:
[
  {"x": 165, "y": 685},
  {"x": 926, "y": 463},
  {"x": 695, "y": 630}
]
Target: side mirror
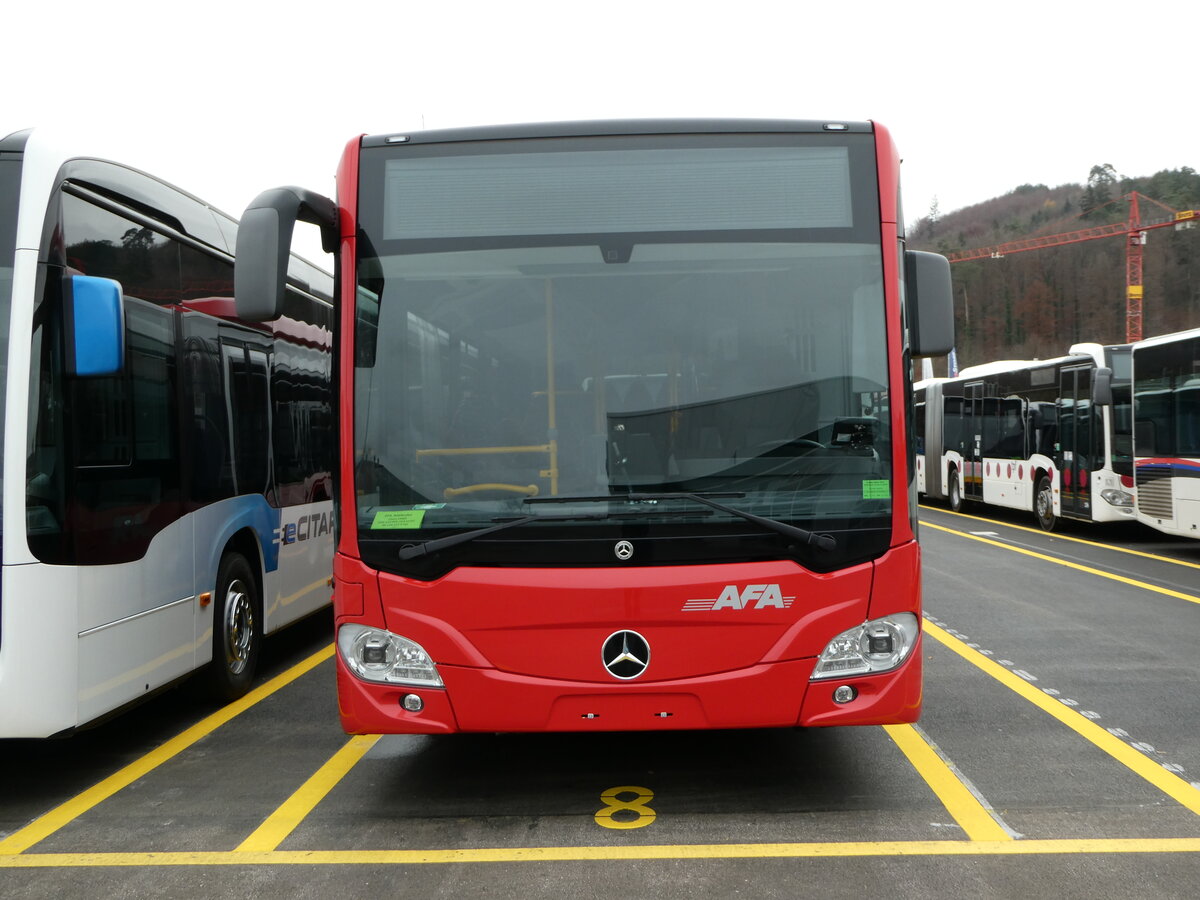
[
  {"x": 264, "y": 244},
  {"x": 930, "y": 303},
  {"x": 94, "y": 320},
  {"x": 1102, "y": 387}
]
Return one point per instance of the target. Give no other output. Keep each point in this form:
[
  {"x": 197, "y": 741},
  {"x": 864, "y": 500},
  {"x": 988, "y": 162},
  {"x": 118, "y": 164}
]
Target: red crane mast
[{"x": 1134, "y": 229}]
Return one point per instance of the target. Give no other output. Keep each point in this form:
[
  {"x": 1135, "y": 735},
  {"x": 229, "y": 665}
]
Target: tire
[
  {"x": 954, "y": 491},
  {"x": 1043, "y": 505},
  {"x": 237, "y": 629}
]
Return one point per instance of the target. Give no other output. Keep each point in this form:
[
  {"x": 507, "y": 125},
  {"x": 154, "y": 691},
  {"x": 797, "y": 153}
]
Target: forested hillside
[{"x": 1036, "y": 303}]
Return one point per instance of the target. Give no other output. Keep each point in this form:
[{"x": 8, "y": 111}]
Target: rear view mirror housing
[
  {"x": 264, "y": 244},
  {"x": 94, "y": 321},
  {"x": 930, "y": 303}
]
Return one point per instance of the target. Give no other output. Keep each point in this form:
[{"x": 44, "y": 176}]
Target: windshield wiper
[
  {"x": 412, "y": 551},
  {"x": 820, "y": 541}
]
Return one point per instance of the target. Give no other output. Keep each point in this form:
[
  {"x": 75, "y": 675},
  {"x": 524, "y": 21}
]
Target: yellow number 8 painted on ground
[{"x": 641, "y": 796}]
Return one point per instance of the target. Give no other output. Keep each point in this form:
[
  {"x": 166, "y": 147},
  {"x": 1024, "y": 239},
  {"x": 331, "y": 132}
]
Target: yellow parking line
[
  {"x": 44, "y": 826},
  {"x": 1191, "y": 598},
  {"x": 1167, "y": 782},
  {"x": 1061, "y": 537},
  {"x": 634, "y": 852},
  {"x": 271, "y": 833},
  {"x": 968, "y": 812}
]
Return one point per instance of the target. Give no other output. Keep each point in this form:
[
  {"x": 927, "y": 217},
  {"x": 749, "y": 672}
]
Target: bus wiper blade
[
  {"x": 423, "y": 549},
  {"x": 820, "y": 541}
]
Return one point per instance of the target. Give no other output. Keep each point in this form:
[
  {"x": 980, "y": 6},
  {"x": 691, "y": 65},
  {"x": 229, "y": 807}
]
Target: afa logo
[{"x": 762, "y": 596}]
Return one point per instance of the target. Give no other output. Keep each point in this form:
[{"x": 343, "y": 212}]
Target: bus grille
[{"x": 1154, "y": 493}]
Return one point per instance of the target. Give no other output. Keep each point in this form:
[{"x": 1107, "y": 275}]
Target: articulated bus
[
  {"x": 623, "y": 411},
  {"x": 175, "y": 463},
  {"x": 1166, "y": 398},
  {"x": 1053, "y": 437}
]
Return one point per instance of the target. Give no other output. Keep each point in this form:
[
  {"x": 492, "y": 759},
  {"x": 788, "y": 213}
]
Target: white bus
[
  {"x": 1052, "y": 436},
  {"x": 1166, "y": 391},
  {"x": 166, "y": 468}
]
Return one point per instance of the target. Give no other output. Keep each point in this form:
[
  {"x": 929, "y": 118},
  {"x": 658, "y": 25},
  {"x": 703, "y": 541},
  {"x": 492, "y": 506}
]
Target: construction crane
[{"x": 1134, "y": 229}]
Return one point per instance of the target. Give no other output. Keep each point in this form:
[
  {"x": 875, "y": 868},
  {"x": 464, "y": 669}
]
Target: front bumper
[{"x": 776, "y": 695}]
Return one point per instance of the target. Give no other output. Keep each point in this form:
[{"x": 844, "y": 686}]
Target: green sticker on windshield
[
  {"x": 877, "y": 489},
  {"x": 398, "y": 518}
]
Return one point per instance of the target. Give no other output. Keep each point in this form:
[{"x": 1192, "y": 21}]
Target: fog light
[
  {"x": 844, "y": 694},
  {"x": 412, "y": 703}
]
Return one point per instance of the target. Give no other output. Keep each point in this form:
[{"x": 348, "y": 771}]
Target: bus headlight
[
  {"x": 377, "y": 655},
  {"x": 876, "y": 646},
  {"x": 1114, "y": 497}
]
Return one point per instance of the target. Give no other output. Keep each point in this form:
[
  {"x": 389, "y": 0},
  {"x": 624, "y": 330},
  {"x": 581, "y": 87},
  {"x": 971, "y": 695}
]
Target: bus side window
[{"x": 247, "y": 396}]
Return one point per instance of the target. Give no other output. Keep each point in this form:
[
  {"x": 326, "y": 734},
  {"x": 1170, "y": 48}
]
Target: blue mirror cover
[{"x": 95, "y": 326}]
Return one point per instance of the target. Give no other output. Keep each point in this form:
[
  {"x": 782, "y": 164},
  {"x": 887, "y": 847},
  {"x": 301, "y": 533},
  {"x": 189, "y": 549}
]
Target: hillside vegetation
[{"x": 1036, "y": 303}]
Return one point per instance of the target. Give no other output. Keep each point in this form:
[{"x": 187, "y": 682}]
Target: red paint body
[{"x": 519, "y": 649}]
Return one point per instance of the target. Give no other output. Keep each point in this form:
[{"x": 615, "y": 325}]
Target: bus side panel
[
  {"x": 136, "y": 630},
  {"x": 1005, "y": 484},
  {"x": 124, "y": 661},
  {"x": 38, "y": 678},
  {"x": 300, "y": 585}
]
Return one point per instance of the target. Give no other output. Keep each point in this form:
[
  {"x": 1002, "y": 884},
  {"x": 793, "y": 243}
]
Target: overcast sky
[{"x": 228, "y": 98}]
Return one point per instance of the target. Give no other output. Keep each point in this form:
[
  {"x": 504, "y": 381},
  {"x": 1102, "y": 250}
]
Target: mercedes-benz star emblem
[
  {"x": 624, "y": 550},
  {"x": 625, "y": 654}
]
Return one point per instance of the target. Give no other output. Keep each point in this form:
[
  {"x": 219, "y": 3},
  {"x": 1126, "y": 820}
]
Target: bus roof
[{"x": 616, "y": 127}]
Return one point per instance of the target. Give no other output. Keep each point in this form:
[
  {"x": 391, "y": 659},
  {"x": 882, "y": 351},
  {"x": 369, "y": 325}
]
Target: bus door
[
  {"x": 973, "y": 441},
  {"x": 1077, "y": 433}
]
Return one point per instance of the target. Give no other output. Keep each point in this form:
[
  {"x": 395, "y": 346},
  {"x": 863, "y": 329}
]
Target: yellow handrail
[{"x": 529, "y": 490}]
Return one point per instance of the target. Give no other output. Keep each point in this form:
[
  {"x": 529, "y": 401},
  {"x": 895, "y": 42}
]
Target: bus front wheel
[
  {"x": 955, "y": 491},
  {"x": 1043, "y": 504},
  {"x": 237, "y": 629}
]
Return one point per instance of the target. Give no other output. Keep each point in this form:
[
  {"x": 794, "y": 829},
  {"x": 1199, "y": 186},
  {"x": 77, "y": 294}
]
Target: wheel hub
[{"x": 239, "y": 627}]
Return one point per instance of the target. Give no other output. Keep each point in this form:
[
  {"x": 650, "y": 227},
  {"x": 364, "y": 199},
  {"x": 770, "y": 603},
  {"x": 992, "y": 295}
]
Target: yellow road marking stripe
[
  {"x": 44, "y": 826},
  {"x": 576, "y": 854},
  {"x": 964, "y": 806},
  {"x": 1063, "y": 537},
  {"x": 1167, "y": 782},
  {"x": 271, "y": 833},
  {"x": 1191, "y": 598}
]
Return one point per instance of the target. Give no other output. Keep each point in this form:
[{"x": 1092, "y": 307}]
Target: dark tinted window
[
  {"x": 99, "y": 242},
  {"x": 1167, "y": 399},
  {"x": 10, "y": 184},
  {"x": 103, "y": 469},
  {"x": 245, "y": 371},
  {"x": 1003, "y": 429},
  {"x": 192, "y": 419}
]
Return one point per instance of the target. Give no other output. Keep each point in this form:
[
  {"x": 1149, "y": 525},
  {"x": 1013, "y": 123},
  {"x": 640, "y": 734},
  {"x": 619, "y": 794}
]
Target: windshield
[
  {"x": 1167, "y": 399},
  {"x": 699, "y": 318}
]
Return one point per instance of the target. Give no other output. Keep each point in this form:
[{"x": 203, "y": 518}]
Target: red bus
[{"x": 624, "y": 424}]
